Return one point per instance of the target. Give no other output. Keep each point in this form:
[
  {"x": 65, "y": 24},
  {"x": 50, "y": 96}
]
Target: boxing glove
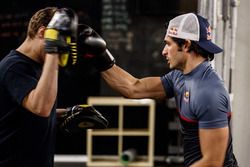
[
  {"x": 92, "y": 46},
  {"x": 61, "y": 35}
]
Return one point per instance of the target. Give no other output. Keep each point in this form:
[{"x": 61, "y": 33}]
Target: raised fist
[
  {"x": 61, "y": 35},
  {"x": 92, "y": 46}
]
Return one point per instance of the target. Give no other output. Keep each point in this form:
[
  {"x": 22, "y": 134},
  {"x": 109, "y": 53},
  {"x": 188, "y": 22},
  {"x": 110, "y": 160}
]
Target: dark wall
[
  {"x": 14, "y": 17},
  {"x": 134, "y": 31}
]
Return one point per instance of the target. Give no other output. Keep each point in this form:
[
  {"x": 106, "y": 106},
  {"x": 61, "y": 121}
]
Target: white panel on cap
[{"x": 186, "y": 26}]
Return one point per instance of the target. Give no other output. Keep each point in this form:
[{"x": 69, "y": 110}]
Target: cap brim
[{"x": 209, "y": 46}]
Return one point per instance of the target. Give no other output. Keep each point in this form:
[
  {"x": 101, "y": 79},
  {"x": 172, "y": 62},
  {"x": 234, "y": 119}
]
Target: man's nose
[{"x": 165, "y": 51}]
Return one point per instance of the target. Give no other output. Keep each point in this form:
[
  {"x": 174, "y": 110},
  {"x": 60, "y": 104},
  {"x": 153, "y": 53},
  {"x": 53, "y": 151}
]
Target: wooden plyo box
[{"x": 120, "y": 132}]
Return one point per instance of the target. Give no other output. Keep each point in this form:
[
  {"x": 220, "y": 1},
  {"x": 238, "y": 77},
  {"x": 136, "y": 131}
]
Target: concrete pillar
[{"x": 241, "y": 86}]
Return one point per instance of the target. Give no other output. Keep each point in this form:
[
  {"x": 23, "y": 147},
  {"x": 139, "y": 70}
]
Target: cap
[{"x": 193, "y": 27}]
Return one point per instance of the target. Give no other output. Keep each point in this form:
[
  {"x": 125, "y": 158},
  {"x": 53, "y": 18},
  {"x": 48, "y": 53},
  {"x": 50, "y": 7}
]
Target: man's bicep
[
  {"x": 19, "y": 85},
  {"x": 214, "y": 143},
  {"x": 152, "y": 87}
]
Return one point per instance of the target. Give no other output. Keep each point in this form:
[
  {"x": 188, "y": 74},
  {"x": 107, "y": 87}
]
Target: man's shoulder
[
  {"x": 211, "y": 91},
  {"x": 174, "y": 74},
  {"x": 10, "y": 59},
  {"x": 15, "y": 58}
]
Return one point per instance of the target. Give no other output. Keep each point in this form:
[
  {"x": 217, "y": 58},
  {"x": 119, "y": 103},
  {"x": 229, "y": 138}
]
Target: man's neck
[
  {"x": 29, "y": 49},
  {"x": 192, "y": 62}
]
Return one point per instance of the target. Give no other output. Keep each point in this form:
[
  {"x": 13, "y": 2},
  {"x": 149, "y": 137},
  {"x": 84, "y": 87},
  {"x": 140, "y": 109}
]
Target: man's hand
[
  {"x": 60, "y": 36},
  {"x": 92, "y": 46}
]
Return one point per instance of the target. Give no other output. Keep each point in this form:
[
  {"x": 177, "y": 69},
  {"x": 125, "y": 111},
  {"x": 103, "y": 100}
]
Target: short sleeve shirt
[
  {"x": 202, "y": 102},
  {"x": 26, "y": 139}
]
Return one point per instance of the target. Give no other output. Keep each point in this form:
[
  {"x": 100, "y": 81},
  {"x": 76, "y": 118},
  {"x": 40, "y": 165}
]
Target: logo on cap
[
  {"x": 173, "y": 31},
  {"x": 209, "y": 33}
]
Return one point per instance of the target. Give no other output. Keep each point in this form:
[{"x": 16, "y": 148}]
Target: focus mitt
[{"x": 78, "y": 118}]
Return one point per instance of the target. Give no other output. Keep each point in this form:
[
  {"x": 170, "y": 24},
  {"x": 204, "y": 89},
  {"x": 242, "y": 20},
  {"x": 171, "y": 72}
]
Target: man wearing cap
[{"x": 202, "y": 100}]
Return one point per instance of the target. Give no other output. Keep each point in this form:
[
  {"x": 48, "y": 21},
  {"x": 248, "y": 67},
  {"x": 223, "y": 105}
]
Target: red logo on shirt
[{"x": 186, "y": 96}]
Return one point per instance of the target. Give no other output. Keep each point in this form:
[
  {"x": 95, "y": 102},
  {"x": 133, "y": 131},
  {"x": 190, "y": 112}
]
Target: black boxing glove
[
  {"x": 61, "y": 35},
  {"x": 92, "y": 46}
]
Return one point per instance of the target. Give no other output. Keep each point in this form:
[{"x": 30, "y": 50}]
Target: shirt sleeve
[
  {"x": 19, "y": 82},
  {"x": 213, "y": 108},
  {"x": 167, "y": 82}
]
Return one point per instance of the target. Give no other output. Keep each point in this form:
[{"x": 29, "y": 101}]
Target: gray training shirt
[{"x": 202, "y": 102}]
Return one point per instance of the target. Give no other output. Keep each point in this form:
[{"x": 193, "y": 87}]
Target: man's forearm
[
  {"x": 120, "y": 80},
  {"x": 41, "y": 100}
]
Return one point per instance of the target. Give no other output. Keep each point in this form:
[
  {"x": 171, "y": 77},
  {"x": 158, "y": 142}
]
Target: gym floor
[
  {"x": 65, "y": 162},
  {"x": 84, "y": 165},
  {"x": 80, "y": 161}
]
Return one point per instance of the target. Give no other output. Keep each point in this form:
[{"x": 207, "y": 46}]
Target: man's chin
[{"x": 171, "y": 66}]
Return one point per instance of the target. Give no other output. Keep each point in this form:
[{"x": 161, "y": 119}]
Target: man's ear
[
  {"x": 187, "y": 45},
  {"x": 41, "y": 31}
]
